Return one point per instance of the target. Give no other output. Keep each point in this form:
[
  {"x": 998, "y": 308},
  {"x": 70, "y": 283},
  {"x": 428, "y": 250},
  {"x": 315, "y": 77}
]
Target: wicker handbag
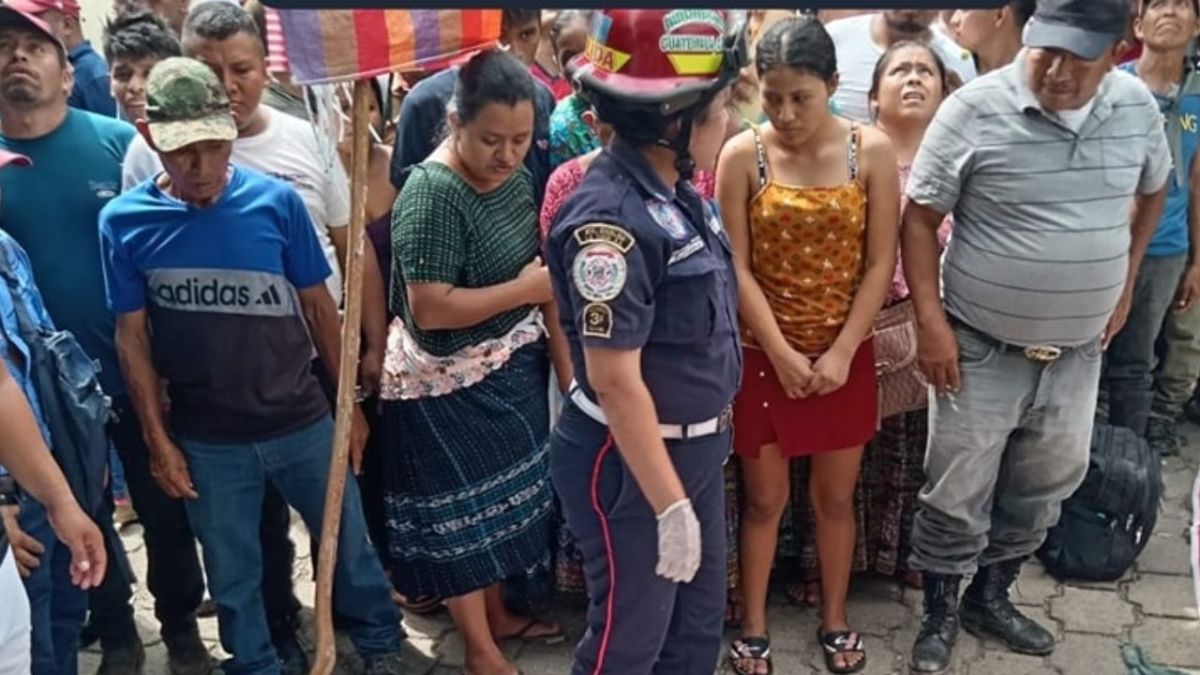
[{"x": 902, "y": 387}]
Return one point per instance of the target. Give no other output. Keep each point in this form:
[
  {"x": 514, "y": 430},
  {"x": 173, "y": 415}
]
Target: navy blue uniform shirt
[{"x": 637, "y": 265}]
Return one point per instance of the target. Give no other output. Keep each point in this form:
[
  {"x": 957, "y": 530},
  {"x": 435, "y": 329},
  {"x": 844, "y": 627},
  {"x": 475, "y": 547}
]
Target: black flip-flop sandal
[
  {"x": 842, "y": 642},
  {"x": 553, "y": 638},
  {"x": 750, "y": 649}
]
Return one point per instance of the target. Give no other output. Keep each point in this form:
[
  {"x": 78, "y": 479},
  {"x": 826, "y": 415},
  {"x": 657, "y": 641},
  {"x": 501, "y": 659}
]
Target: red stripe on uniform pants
[{"x": 608, "y": 554}]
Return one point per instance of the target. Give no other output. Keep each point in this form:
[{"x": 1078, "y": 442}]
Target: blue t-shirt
[
  {"x": 219, "y": 287},
  {"x": 1171, "y": 234},
  {"x": 50, "y": 208},
  {"x": 92, "y": 91}
]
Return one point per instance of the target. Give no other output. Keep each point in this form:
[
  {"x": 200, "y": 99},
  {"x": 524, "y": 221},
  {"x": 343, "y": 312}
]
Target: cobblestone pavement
[{"x": 1152, "y": 606}]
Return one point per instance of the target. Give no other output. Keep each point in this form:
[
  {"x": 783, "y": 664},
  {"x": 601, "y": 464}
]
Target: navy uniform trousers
[{"x": 638, "y": 622}]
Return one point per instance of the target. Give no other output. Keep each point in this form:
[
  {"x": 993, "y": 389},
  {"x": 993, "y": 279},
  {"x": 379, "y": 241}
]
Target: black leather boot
[
  {"x": 987, "y": 612},
  {"x": 939, "y": 625}
]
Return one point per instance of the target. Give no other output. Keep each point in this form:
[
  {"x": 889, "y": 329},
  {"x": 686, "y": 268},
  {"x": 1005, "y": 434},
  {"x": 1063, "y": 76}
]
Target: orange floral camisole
[{"x": 807, "y": 248}]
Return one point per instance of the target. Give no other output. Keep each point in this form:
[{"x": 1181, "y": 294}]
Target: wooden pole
[{"x": 326, "y": 651}]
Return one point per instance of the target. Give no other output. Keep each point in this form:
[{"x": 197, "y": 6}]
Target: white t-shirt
[
  {"x": 857, "y": 55},
  {"x": 1074, "y": 119},
  {"x": 290, "y": 150}
]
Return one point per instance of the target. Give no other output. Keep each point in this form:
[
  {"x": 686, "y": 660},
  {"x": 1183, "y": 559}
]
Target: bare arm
[
  {"x": 322, "y": 317},
  {"x": 23, "y": 451},
  {"x": 374, "y": 313},
  {"x": 1147, "y": 209},
  {"x": 922, "y": 261},
  {"x": 1189, "y": 286},
  {"x": 616, "y": 378},
  {"x": 560, "y": 348},
  {"x": 737, "y": 183},
  {"x": 141, "y": 377},
  {"x": 167, "y": 463},
  {"x": 832, "y": 369},
  {"x": 937, "y": 348}
]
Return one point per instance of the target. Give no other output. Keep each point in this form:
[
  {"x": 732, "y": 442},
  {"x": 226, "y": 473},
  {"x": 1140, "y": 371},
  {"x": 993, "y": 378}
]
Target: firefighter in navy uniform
[{"x": 645, "y": 285}]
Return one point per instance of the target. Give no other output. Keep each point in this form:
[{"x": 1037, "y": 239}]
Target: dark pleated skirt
[{"x": 467, "y": 493}]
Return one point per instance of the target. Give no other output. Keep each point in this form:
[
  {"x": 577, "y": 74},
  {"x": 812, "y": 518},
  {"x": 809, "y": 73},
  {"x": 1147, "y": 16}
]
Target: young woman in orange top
[{"x": 811, "y": 202}]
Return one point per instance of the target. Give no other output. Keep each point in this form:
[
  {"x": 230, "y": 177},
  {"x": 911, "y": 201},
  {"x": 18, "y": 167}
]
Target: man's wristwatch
[{"x": 8, "y": 492}]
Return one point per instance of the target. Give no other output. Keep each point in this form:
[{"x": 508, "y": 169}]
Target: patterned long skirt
[
  {"x": 467, "y": 494},
  {"x": 885, "y": 501}
]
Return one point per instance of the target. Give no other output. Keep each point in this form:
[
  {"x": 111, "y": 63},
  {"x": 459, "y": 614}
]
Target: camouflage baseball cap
[{"x": 185, "y": 104}]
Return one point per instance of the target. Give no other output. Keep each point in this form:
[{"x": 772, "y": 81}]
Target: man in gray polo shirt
[{"x": 1041, "y": 163}]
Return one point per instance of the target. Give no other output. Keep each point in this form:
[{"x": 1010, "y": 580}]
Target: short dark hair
[
  {"x": 219, "y": 21},
  {"x": 517, "y": 16},
  {"x": 1022, "y": 11},
  {"x": 491, "y": 76},
  {"x": 136, "y": 33},
  {"x": 801, "y": 43}
]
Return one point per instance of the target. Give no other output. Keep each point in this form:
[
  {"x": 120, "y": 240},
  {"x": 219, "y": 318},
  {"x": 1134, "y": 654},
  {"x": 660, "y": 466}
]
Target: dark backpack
[
  {"x": 1108, "y": 521},
  {"x": 73, "y": 405}
]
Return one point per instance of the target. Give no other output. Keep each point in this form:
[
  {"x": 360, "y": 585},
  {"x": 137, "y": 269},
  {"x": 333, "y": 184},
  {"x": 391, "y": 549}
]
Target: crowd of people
[{"x": 659, "y": 307}]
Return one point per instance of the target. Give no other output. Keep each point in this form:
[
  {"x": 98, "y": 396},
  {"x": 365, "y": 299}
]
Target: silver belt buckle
[{"x": 1043, "y": 353}]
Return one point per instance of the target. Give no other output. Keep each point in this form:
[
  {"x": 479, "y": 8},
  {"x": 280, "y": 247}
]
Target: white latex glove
[{"x": 678, "y": 542}]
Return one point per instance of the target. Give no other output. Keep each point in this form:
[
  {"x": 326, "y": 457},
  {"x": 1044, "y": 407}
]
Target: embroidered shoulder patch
[
  {"x": 596, "y": 233},
  {"x": 597, "y": 320},
  {"x": 599, "y": 272},
  {"x": 686, "y": 251},
  {"x": 668, "y": 217}
]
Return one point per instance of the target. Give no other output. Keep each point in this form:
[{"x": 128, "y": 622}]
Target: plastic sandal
[
  {"x": 750, "y": 648},
  {"x": 843, "y": 642}
]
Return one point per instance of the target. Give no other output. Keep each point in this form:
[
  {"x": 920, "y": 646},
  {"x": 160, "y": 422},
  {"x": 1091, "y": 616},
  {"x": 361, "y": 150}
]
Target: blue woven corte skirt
[{"x": 467, "y": 492}]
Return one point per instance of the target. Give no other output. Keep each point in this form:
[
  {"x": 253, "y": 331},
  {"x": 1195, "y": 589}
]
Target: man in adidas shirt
[
  {"x": 218, "y": 281},
  {"x": 225, "y": 37}
]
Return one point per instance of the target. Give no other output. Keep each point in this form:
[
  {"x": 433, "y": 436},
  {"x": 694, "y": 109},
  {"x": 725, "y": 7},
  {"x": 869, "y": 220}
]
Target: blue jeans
[
  {"x": 57, "y": 607},
  {"x": 231, "y": 480}
]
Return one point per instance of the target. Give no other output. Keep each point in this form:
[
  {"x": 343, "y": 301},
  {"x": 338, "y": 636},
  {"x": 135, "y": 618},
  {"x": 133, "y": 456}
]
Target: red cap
[
  {"x": 12, "y": 17},
  {"x": 36, "y": 7},
  {"x": 7, "y": 158},
  {"x": 659, "y": 56}
]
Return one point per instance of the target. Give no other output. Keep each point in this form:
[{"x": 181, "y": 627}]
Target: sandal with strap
[
  {"x": 843, "y": 642},
  {"x": 750, "y": 649}
]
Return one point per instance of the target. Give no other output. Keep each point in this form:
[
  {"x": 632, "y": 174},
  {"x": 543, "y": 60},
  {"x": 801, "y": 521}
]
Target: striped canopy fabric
[{"x": 332, "y": 45}]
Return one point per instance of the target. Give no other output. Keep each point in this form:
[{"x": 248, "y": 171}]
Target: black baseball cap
[{"x": 1083, "y": 27}]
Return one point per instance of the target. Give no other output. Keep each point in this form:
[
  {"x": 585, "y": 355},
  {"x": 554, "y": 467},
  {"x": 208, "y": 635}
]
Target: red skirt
[{"x": 764, "y": 414}]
